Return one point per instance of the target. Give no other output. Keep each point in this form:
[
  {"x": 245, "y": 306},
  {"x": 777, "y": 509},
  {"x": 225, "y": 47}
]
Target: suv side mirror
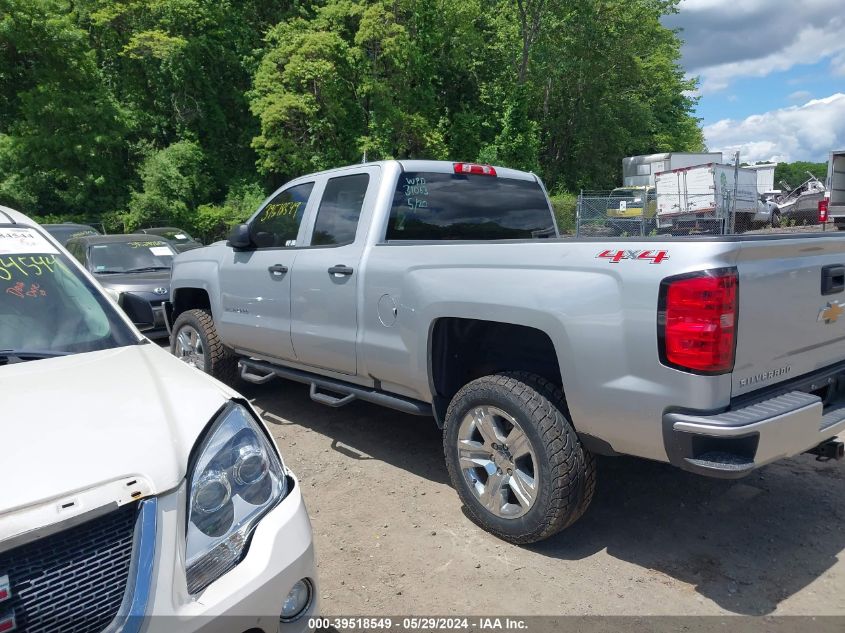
[{"x": 240, "y": 237}]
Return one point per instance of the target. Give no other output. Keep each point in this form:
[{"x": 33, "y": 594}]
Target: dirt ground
[{"x": 392, "y": 539}]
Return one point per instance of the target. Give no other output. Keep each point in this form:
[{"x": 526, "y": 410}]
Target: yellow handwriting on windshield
[
  {"x": 277, "y": 209},
  {"x": 146, "y": 244},
  {"x": 26, "y": 266}
]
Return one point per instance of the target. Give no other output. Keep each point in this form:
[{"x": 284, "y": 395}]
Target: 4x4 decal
[{"x": 615, "y": 257}]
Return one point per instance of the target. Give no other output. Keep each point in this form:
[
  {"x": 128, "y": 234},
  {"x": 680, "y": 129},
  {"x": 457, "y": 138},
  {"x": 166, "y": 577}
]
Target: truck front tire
[
  {"x": 515, "y": 459},
  {"x": 195, "y": 341}
]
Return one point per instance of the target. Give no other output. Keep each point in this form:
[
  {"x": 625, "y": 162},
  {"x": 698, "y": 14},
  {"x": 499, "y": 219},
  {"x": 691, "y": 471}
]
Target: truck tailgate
[{"x": 786, "y": 326}]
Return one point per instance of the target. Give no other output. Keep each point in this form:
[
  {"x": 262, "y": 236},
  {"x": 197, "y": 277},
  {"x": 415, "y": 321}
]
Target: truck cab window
[
  {"x": 278, "y": 223},
  {"x": 444, "y": 206},
  {"x": 340, "y": 209}
]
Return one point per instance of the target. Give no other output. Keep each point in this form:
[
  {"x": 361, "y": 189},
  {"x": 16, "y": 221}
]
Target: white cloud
[
  {"x": 809, "y": 46},
  {"x": 800, "y": 95},
  {"x": 801, "y": 132},
  {"x": 725, "y": 40}
]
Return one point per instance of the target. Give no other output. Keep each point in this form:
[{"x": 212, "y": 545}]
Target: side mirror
[{"x": 240, "y": 237}]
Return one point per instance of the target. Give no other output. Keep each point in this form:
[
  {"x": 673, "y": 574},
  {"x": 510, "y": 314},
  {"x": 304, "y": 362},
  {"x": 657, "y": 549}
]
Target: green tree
[
  {"x": 61, "y": 130},
  {"x": 174, "y": 183},
  {"x": 611, "y": 87},
  {"x": 796, "y": 173},
  {"x": 381, "y": 79}
]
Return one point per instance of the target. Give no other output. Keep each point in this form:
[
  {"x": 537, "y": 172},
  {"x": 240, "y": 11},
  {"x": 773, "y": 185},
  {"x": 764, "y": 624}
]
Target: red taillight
[
  {"x": 474, "y": 168},
  {"x": 823, "y": 210},
  {"x": 697, "y": 322}
]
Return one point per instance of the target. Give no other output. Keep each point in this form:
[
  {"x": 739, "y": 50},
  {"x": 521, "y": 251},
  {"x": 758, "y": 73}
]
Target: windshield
[
  {"x": 65, "y": 233},
  {"x": 132, "y": 256},
  {"x": 174, "y": 235},
  {"x": 47, "y": 307}
]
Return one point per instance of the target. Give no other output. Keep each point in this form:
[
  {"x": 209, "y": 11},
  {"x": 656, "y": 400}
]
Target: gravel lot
[{"x": 392, "y": 539}]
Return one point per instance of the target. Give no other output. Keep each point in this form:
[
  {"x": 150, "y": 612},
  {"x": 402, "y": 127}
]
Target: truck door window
[
  {"x": 340, "y": 209},
  {"x": 438, "y": 206},
  {"x": 278, "y": 223}
]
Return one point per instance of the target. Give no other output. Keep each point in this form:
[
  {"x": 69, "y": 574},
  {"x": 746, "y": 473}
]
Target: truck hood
[{"x": 95, "y": 422}]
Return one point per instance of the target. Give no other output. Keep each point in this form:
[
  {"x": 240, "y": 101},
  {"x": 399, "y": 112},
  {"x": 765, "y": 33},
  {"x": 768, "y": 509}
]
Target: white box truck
[
  {"x": 703, "y": 197},
  {"x": 640, "y": 171},
  {"x": 835, "y": 195}
]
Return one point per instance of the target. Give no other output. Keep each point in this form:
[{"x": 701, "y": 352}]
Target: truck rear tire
[
  {"x": 195, "y": 341},
  {"x": 515, "y": 459}
]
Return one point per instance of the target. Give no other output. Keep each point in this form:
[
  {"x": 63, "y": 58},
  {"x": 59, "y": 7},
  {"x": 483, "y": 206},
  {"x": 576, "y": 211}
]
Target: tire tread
[{"x": 220, "y": 362}]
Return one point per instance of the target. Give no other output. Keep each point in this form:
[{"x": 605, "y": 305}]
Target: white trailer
[
  {"x": 765, "y": 176},
  {"x": 639, "y": 171},
  {"x": 836, "y": 188},
  {"x": 704, "y": 197}
]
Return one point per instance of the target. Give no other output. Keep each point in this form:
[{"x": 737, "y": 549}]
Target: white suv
[{"x": 132, "y": 484}]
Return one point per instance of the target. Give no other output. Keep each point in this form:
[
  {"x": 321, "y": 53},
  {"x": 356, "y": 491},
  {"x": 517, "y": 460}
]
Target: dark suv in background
[
  {"x": 134, "y": 269},
  {"x": 69, "y": 230}
]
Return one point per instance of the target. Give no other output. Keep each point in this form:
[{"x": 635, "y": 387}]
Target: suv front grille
[{"x": 74, "y": 580}]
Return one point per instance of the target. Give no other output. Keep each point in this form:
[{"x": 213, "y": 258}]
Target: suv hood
[
  {"x": 97, "y": 421},
  {"x": 136, "y": 282}
]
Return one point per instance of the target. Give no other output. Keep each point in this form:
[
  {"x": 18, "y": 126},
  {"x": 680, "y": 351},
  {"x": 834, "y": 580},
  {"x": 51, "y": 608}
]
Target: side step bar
[{"x": 260, "y": 372}]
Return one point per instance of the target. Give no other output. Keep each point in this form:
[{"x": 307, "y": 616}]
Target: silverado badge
[{"x": 832, "y": 311}]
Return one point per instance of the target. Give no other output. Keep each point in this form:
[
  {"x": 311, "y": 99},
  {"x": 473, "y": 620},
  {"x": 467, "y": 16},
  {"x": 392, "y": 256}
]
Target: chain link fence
[{"x": 635, "y": 212}]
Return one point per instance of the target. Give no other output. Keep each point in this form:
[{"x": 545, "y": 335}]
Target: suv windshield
[
  {"x": 47, "y": 308},
  {"x": 438, "y": 206},
  {"x": 63, "y": 233},
  {"x": 174, "y": 235},
  {"x": 131, "y": 256}
]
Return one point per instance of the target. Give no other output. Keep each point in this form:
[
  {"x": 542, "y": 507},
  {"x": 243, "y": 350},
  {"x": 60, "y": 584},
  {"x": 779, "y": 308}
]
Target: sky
[{"x": 771, "y": 75}]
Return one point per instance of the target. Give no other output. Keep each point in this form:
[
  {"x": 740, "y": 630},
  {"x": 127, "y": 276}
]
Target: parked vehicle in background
[
  {"x": 835, "y": 195},
  {"x": 767, "y": 208},
  {"x": 134, "y": 485},
  {"x": 425, "y": 286},
  {"x": 631, "y": 210},
  {"x": 703, "y": 198},
  {"x": 135, "y": 268},
  {"x": 801, "y": 204},
  {"x": 640, "y": 171},
  {"x": 179, "y": 239},
  {"x": 69, "y": 230}
]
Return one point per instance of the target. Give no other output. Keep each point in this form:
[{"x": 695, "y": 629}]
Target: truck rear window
[{"x": 437, "y": 206}]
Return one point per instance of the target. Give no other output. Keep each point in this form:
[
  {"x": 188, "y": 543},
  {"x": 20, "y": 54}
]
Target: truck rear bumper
[{"x": 733, "y": 443}]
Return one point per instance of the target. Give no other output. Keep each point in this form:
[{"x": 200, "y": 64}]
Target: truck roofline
[{"x": 437, "y": 166}]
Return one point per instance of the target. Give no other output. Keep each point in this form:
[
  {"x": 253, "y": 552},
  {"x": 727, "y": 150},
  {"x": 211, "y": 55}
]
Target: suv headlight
[{"x": 237, "y": 477}]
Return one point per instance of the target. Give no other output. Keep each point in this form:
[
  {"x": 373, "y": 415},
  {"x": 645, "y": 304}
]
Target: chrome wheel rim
[
  {"x": 498, "y": 462},
  {"x": 189, "y": 347}
]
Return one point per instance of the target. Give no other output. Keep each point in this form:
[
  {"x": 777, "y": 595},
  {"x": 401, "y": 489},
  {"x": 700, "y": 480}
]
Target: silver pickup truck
[{"x": 443, "y": 289}]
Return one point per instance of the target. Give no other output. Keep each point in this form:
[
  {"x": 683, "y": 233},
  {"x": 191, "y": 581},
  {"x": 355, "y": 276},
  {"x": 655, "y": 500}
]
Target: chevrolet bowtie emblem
[{"x": 832, "y": 311}]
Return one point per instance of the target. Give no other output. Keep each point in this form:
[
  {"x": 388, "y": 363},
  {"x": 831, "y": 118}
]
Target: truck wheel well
[
  {"x": 189, "y": 298},
  {"x": 462, "y": 350}
]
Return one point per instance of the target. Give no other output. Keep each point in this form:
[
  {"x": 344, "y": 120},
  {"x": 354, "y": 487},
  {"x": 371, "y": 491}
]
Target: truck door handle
[
  {"x": 833, "y": 279},
  {"x": 277, "y": 269},
  {"x": 340, "y": 269}
]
